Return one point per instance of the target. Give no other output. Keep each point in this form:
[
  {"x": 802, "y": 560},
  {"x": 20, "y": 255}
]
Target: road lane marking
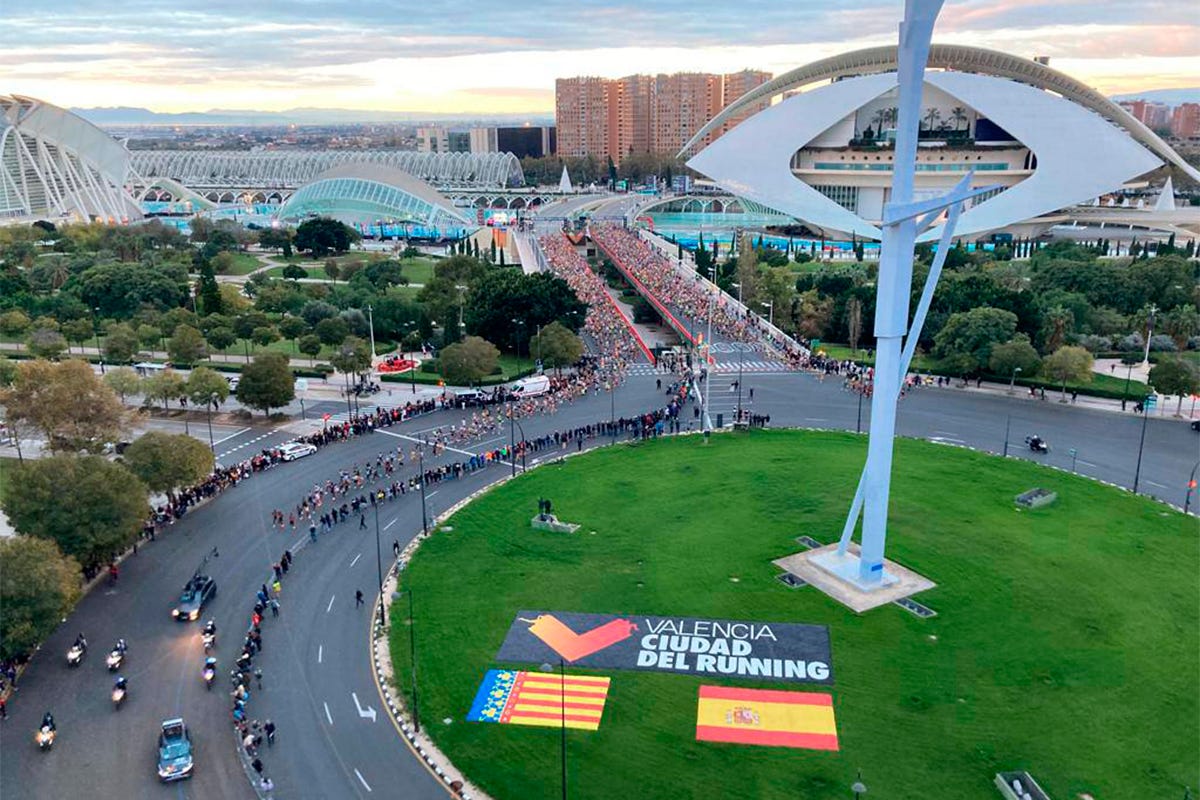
[
  {"x": 1159, "y": 485},
  {"x": 327, "y": 715},
  {"x": 232, "y": 435},
  {"x": 363, "y": 712},
  {"x": 362, "y": 780},
  {"x": 1086, "y": 463},
  {"x": 320, "y": 652},
  {"x": 390, "y": 524},
  {"x": 356, "y": 558},
  {"x": 431, "y": 494},
  {"x": 330, "y": 603},
  {"x": 422, "y": 441}
]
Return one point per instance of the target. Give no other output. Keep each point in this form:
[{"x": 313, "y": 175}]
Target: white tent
[{"x": 564, "y": 183}]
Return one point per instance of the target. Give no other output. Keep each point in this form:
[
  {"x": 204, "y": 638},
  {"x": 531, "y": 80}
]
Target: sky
[{"x": 455, "y": 57}]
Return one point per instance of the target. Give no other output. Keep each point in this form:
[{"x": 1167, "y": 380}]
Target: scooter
[
  {"x": 118, "y": 697},
  {"x": 114, "y": 660},
  {"x": 44, "y": 738},
  {"x": 1037, "y": 445},
  {"x": 209, "y": 673},
  {"x": 209, "y": 640},
  {"x": 75, "y": 655}
]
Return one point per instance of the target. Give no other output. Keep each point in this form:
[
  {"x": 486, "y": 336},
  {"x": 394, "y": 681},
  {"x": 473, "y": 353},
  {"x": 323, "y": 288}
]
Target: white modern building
[
  {"x": 1043, "y": 141},
  {"x": 55, "y": 165}
]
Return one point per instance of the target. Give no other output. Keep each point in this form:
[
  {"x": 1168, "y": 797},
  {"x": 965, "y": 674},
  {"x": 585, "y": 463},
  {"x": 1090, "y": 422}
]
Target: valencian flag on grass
[
  {"x": 536, "y": 698},
  {"x": 766, "y": 717}
]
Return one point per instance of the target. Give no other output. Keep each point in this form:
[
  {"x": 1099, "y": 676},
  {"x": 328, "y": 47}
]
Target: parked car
[
  {"x": 196, "y": 594},
  {"x": 532, "y": 386},
  {"x": 175, "y": 760},
  {"x": 293, "y": 450},
  {"x": 234, "y": 380}
]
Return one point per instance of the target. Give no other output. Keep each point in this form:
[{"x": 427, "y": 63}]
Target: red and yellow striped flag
[
  {"x": 766, "y": 717},
  {"x": 513, "y": 697}
]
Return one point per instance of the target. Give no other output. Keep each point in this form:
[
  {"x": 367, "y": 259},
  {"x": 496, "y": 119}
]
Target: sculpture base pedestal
[
  {"x": 549, "y": 522},
  {"x": 837, "y": 576}
]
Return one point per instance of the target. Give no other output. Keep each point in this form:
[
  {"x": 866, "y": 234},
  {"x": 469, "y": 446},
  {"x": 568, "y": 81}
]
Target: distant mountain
[
  {"x": 125, "y": 115},
  {"x": 1171, "y": 97}
]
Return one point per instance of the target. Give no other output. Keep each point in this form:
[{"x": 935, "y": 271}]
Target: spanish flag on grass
[
  {"x": 766, "y": 717},
  {"x": 515, "y": 697}
]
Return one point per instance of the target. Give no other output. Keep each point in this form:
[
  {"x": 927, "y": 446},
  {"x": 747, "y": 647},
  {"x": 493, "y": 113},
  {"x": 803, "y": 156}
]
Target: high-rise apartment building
[
  {"x": 643, "y": 113},
  {"x": 737, "y": 84},
  {"x": 1185, "y": 121},
  {"x": 586, "y": 117}
]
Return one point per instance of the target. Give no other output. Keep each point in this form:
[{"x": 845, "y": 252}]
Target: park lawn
[
  {"x": 237, "y": 351},
  {"x": 418, "y": 270},
  {"x": 243, "y": 264},
  {"x": 1064, "y": 644}
]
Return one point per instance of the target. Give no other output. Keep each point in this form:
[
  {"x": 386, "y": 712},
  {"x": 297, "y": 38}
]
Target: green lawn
[
  {"x": 243, "y": 264},
  {"x": 1065, "y": 644},
  {"x": 418, "y": 270}
]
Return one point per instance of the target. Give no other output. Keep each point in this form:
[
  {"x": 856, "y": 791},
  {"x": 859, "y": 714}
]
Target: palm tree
[
  {"x": 1057, "y": 322},
  {"x": 879, "y": 117},
  {"x": 959, "y": 114},
  {"x": 931, "y": 117}
]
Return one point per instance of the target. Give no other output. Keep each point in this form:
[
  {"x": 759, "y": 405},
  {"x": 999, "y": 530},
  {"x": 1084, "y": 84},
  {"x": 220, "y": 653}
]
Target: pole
[
  {"x": 412, "y": 650},
  {"x": 1012, "y": 381},
  {"x": 612, "y": 408},
  {"x": 562, "y": 684},
  {"x": 858, "y": 425},
  {"x": 421, "y": 466},
  {"x": 741, "y": 359},
  {"x": 706, "y": 422},
  {"x": 302, "y": 416},
  {"x": 512, "y": 437},
  {"x": 1187, "y": 498},
  {"x": 371, "y": 311},
  {"x": 1007, "y": 424},
  {"x": 1125, "y": 392},
  {"x": 1149, "y": 333},
  {"x": 208, "y": 408},
  {"x": 378, "y": 559},
  {"x": 1137, "y": 473}
]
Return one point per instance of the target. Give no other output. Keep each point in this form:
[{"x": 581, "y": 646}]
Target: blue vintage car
[{"x": 174, "y": 751}]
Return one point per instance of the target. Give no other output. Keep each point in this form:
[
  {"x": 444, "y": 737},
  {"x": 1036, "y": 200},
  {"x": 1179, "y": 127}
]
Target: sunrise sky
[{"x": 441, "y": 56}]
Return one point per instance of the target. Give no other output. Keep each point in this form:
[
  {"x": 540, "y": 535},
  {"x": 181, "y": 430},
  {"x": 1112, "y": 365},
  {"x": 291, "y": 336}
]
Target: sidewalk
[
  {"x": 1164, "y": 408},
  {"x": 159, "y": 355}
]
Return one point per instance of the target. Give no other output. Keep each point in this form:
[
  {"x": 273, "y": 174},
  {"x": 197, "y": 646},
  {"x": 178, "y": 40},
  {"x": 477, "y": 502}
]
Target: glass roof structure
[
  {"x": 57, "y": 165},
  {"x": 365, "y": 195}
]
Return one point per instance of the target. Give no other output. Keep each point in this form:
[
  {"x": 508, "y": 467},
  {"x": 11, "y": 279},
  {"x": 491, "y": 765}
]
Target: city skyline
[{"x": 358, "y": 56}]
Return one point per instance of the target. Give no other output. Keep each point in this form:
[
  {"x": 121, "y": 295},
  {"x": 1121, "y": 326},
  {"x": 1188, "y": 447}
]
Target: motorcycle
[
  {"x": 209, "y": 640},
  {"x": 44, "y": 738},
  {"x": 209, "y": 673},
  {"x": 1037, "y": 444},
  {"x": 114, "y": 661},
  {"x": 75, "y": 655},
  {"x": 118, "y": 697}
]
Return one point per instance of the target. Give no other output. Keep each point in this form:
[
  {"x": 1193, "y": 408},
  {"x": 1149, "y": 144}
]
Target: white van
[{"x": 532, "y": 386}]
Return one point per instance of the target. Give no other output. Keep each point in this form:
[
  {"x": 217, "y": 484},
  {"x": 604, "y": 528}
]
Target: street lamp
[
  {"x": 520, "y": 322},
  {"x": 771, "y": 312},
  {"x": 371, "y": 323},
  {"x": 562, "y": 702},
  {"x": 421, "y": 466},
  {"x": 412, "y": 651},
  {"x": 208, "y": 407},
  {"x": 1012, "y": 381},
  {"x": 1153, "y": 309},
  {"x": 96, "y": 331},
  {"x": 1191, "y": 487},
  {"x": 1137, "y": 473},
  {"x": 858, "y": 787},
  {"x": 378, "y": 556}
]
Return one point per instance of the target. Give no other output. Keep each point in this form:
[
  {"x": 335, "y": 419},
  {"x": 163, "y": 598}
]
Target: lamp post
[
  {"x": 512, "y": 436},
  {"x": 706, "y": 422},
  {"x": 412, "y": 651},
  {"x": 1191, "y": 486},
  {"x": 371, "y": 322},
  {"x": 421, "y": 466},
  {"x": 1013, "y": 380},
  {"x": 858, "y": 787},
  {"x": 1125, "y": 392},
  {"x": 1153, "y": 309},
  {"x": 611, "y": 385},
  {"x": 1137, "y": 473},
  {"x": 208, "y": 407},
  {"x": 520, "y": 322},
  {"x": 379, "y": 558},
  {"x": 562, "y": 702},
  {"x": 461, "y": 293},
  {"x": 96, "y": 331},
  {"x": 770, "y": 312}
]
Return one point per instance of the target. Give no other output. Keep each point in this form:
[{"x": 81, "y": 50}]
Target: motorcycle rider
[
  {"x": 81, "y": 642},
  {"x": 121, "y": 646},
  {"x": 48, "y": 721},
  {"x": 121, "y": 684},
  {"x": 210, "y": 627},
  {"x": 1036, "y": 443}
]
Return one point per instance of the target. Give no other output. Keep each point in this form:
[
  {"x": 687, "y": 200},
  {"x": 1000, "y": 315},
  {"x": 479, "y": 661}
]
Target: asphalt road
[{"x": 316, "y": 658}]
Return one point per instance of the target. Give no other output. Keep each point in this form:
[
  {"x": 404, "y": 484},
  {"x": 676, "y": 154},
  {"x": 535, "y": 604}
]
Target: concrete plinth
[
  {"x": 549, "y": 522},
  {"x": 837, "y": 576}
]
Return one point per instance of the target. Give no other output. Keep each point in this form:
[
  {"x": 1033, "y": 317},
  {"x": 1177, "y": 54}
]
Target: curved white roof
[
  {"x": 1079, "y": 154},
  {"x": 364, "y": 193},
  {"x": 56, "y": 164},
  {"x": 959, "y": 58}
]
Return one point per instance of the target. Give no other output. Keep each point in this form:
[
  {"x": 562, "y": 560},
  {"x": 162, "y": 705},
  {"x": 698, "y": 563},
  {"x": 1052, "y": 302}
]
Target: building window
[{"x": 844, "y": 196}]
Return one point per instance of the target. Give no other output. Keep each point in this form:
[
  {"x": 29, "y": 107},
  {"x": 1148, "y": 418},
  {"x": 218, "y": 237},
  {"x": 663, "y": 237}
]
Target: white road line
[
  {"x": 327, "y": 715},
  {"x": 422, "y": 441},
  {"x": 431, "y": 494},
  {"x": 361, "y": 780},
  {"x": 356, "y": 558},
  {"x": 390, "y": 524},
  {"x": 330, "y": 604},
  {"x": 230, "y": 436},
  {"x": 320, "y": 653},
  {"x": 1083, "y": 463},
  {"x": 1159, "y": 485}
]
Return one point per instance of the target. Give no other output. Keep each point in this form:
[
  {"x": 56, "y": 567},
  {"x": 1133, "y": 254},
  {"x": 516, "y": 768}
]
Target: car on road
[
  {"x": 293, "y": 450},
  {"x": 234, "y": 380},
  {"x": 175, "y": 760},
  {"x": 1196, "y": 424},
  {"x": 196, "y": 594}
]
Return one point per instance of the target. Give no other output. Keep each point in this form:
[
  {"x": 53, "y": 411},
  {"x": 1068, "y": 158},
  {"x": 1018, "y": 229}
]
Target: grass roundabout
[{"x": 1065, "y": 644}]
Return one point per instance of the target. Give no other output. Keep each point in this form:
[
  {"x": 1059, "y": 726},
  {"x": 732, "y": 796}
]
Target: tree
[
  {"x": 466, "y": 362},
  {"x": 1175, "y": 376},
  {"x": 1015, "y": 354},
  {"x": 264, "y": 335},
  {"x": 119, "y": 289},
  {"x": 68, "y": 403},
  {"x": 351, "y": 357},
  {"x": 317, "y": 310},
  {"x": 208, "y": 291},
  {"x": 168, "y": 461},
  {"x": 331, "y": 269},
  {"x": 292, "y": 328},
  {"x": 503, "y": 295},
  {"x": 124, "y": 381},
  {"x": 968, "y": 337},
  {"x": 321, "y": 236},
  {"x": 14, "y": 323},
  {"x": 164, "y": 387},
  {"x": 267, "y": 383},
  {"x": 149, "y": 336},
  {"x": 294, "y": 272},
  {"x": 206, "y": 386},
  {"x": 1068, "y": 364},
  {"x": 78, "y": 330},
  {"x": 1057, "y": 323},
  {"x": 187, "y": 345},
  {"x": 1181, "y": 324},
  {"x": 814, "y": 313},
  {"x": 8, "y": 372},
  {"x": 332, "y": 331},
  {"x": 556, "y": 346},
  {"x": 120, "y": 343},
  {"x": 45, "y": 343},
  {"x": 38, "y": 587},
  {"x": 221, "y": 338},
  {"x": 108, "y": 504},
  {"x": 222, "y": 262},
  {"x": 854, "y": 321},
  {"x": 276, "y": 239},
  {"x": 747, "y": 270},
  {"x": 309, "y": 345}
]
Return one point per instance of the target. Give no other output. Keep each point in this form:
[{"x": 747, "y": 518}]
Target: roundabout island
[{"x": 1062, "y": 641}]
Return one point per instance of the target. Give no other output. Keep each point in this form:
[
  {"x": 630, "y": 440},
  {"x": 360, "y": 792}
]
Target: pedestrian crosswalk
[{"x": 721, "y": 368}]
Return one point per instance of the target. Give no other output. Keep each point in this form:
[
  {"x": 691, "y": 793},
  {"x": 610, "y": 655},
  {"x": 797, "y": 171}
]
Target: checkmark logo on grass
[{"x": 573, "y": 646}]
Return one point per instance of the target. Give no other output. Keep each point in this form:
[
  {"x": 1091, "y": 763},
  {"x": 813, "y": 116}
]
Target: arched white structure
[
  {"x": 365, "y": 194},
  {"x": 275, "y": 169},
  {"x": 54, "y": 165},
  {"x": 957, "y": 58},
  {"x": 1079, "y": 155}
]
